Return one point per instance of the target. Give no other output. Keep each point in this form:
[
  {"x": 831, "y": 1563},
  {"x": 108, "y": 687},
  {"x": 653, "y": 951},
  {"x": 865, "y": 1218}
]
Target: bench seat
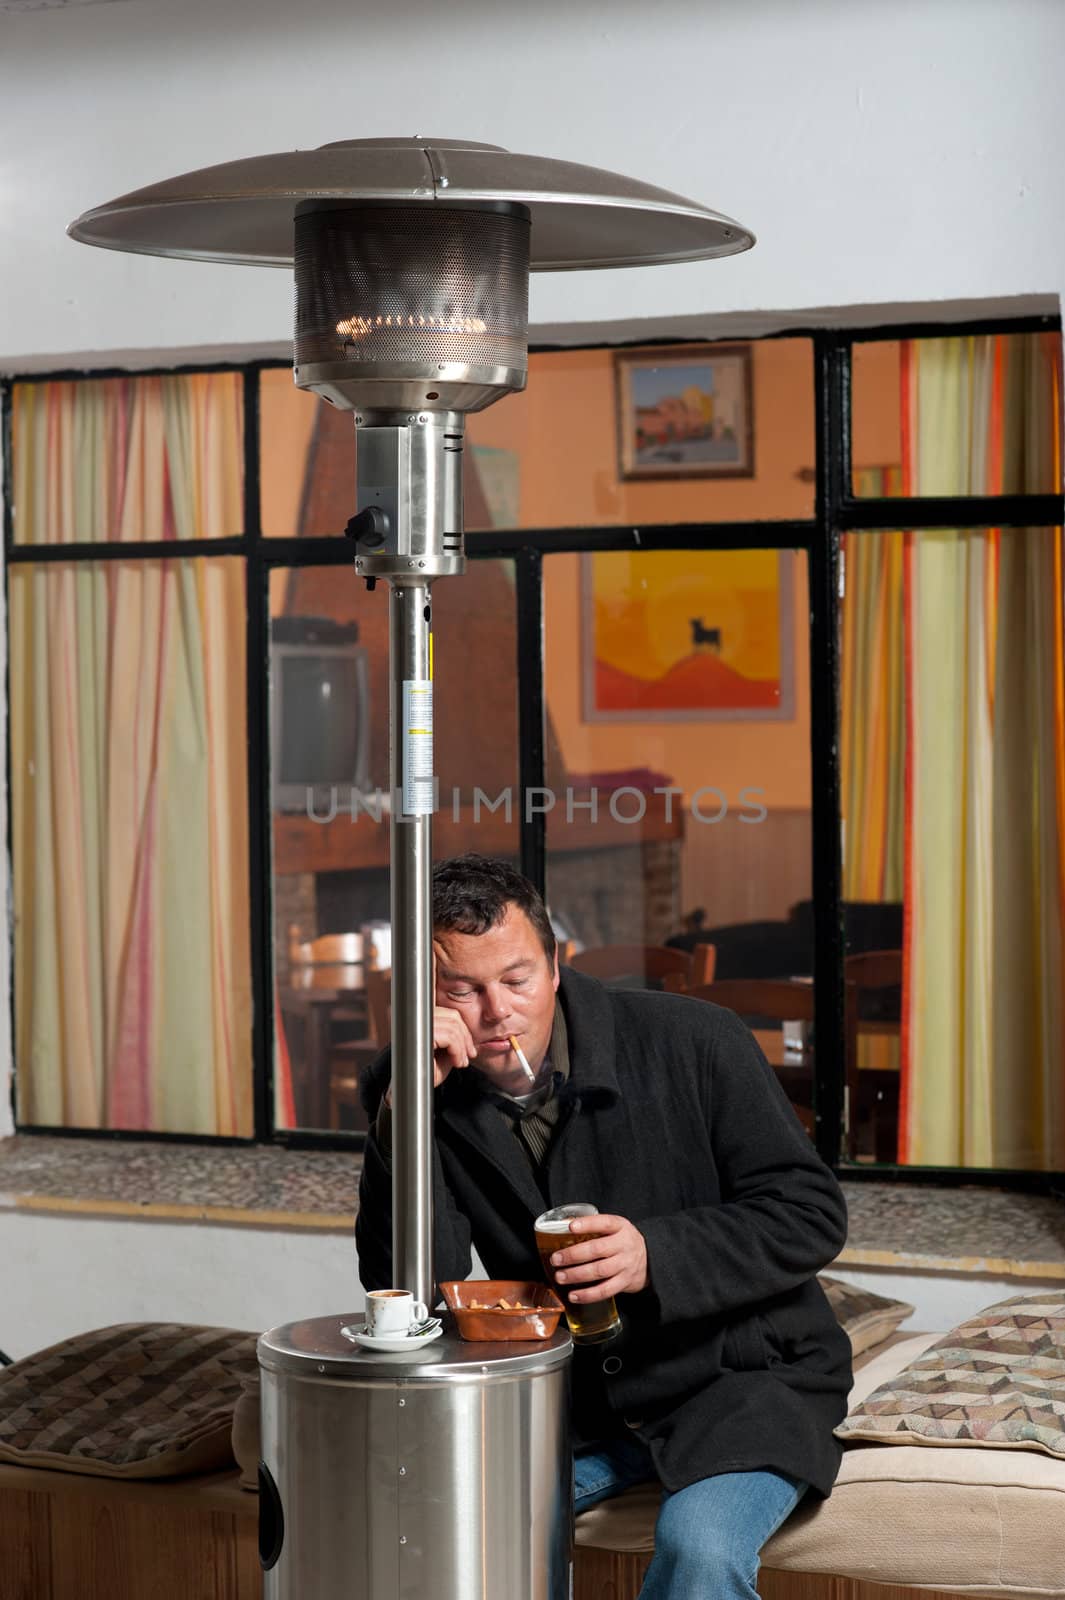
[
  {"x": 954, "y": 1519},
  {"x": 944, "y": 1520}
]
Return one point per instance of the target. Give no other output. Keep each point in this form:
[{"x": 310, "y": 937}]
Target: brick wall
[{"x": 628, "y": 895}]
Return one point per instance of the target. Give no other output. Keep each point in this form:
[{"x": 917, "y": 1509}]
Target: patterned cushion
[
  {"x": 143, "y": 1400},
  {"x": 867, "y": 1318},
  {"x": 998, "y": 1379}
]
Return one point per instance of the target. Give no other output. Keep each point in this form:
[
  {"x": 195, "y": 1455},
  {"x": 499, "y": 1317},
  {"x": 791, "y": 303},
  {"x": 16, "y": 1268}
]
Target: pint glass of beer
[{"x": 589, "y": 1324}]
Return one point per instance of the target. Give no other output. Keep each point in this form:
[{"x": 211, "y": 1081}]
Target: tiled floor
[{"x": 913, "y": 1224}]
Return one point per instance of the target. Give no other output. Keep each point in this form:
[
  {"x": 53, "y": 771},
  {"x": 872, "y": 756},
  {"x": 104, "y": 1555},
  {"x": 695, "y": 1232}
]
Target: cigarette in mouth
[{"x": 520, "y": 1053}]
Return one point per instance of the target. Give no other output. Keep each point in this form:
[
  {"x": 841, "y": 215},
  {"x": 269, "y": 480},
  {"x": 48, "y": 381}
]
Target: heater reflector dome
[{"x": 581, "y": 216}]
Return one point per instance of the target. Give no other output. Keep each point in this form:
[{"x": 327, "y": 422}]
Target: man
[{"x": 730, "y": 1371}]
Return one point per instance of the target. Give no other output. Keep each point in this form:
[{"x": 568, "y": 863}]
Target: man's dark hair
[{"x": 471, "y": 894}]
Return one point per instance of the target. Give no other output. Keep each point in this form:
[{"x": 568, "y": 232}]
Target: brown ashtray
[{"x": 490, "y": 1321}]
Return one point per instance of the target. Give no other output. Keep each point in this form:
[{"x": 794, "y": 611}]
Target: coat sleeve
[
  {"x": 781, "y": 1217},
  {"x": 373, "y": 1224}
]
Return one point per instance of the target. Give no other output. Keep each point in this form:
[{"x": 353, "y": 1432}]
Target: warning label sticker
[{"x": 417, "y": 747}]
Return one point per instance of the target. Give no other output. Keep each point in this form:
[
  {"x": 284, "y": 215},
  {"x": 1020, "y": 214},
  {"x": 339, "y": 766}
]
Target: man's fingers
[
  {"x": 451, "y": 1037},
  {"x": 602, "y": 1291},
  {"x": 576, "y": 1254},
  {"x": 614, "y": 1262},
  {"x": 601, "y": 1223},
  {"x": 593, "y": 1272}
]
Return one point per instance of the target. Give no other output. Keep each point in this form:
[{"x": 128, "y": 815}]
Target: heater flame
[{"x": 353, "y": 328}]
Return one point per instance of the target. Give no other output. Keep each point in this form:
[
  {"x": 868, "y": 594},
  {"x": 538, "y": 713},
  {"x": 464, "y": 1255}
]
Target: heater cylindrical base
[{"x": 446, "y": 1474}]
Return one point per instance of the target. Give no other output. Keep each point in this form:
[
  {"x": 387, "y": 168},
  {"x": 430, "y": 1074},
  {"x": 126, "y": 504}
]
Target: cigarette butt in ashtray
[{"x": 520, "y": 1053}]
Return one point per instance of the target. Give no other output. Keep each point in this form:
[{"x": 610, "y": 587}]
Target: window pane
[
  {"x": 678, "y": 725},
  {"x": 122, "y": 460},
  {"x": 689, "y": 433},
  {"x": 128, "y": 765},
  {"x": 329, "y": 760},
  {"x": 957, "y": 416},
  {"x": 953, "y": 779},
  {"x": 307, "y": 456}
]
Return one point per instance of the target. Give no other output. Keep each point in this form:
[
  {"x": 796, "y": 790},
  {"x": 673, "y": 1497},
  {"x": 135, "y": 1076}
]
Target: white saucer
[{"x": 395, "y": 1344}]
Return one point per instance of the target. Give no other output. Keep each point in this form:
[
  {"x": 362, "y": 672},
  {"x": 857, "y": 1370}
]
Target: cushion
[
  {"x": 987, "y": 1522},
  {"x": 141, "y": 1400},
  {"x": 997, "y": 1380},
  {"x": 867, "y": 1318}
]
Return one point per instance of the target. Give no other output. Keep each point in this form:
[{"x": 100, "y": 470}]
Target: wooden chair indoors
[
  {"x": 326, "y": 993},
  {"x": 772, "y": 1000},
  {"x": 874, "y": 1012},
  {"x": 647, "y": 965},
  {"x": 332, "y": 961},
  {"x": 351, "y": 1059}
]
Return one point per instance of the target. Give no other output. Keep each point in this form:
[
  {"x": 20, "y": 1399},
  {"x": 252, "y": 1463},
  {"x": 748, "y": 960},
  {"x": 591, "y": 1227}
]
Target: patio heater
[{"x": 444, "y": 1472}]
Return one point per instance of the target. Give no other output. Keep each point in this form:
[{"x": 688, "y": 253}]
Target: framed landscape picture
[
  {"x": 687, "y": 635},
  {"x": 685, "y": 412}
]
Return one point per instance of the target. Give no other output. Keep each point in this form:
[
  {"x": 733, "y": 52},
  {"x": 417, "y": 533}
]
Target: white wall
[
  {"x": 884, "y": 151},
  {"x": 62, "y": 1275},
  {"x": 940, "y": 1299}
]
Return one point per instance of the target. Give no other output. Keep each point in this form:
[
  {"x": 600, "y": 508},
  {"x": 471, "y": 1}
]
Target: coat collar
[{"x": 592, "y": 1041}]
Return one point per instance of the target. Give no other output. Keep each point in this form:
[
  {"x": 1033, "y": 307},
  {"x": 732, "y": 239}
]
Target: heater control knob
[{"x": 369, "y": 527}]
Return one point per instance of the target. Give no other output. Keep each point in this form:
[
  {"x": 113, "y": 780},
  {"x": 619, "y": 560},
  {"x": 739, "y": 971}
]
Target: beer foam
[{"x": 562, "y": 1226}]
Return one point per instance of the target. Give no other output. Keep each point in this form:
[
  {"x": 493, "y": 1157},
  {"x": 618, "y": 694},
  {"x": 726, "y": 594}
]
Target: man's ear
[{"x": 555, "y": 978}]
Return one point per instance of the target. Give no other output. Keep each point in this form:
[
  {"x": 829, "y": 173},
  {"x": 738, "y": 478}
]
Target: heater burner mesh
[{"x": 423, "y": 285}]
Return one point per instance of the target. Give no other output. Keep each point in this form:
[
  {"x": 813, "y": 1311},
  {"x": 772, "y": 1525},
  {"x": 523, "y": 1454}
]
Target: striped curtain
[
  {"x": 984, "y": 1026},
  {"x": 872, "y": 726},
  {"x": 132, "y": 960},
  {"x": 124, "y": 460}
]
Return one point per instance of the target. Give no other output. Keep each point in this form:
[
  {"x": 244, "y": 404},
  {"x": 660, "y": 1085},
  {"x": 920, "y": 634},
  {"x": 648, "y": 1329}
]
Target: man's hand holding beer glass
[{"x": 612, "y": 1259}]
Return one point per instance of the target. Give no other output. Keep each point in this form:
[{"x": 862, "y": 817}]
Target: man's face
[{"x": 501, "y": 983}]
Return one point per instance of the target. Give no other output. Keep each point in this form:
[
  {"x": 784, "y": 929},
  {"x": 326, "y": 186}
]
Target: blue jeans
[{"x": 708, "y": 1536}]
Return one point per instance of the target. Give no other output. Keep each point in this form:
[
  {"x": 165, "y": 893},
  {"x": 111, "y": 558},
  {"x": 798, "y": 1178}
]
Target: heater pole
[{"x": 411, "y": 774}]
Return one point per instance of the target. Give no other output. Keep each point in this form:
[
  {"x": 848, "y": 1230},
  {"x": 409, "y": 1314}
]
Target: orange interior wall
[
  {"x": 876, "y": 435},
  {"x": 564, "y": 427},
  {"x": 286, "y": 421}
]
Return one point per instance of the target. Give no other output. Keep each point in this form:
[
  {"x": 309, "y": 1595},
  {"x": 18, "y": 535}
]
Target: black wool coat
[{"x": 731, "y": 1360}]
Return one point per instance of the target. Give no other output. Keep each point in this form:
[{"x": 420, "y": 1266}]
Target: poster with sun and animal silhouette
[{"x": 687, "y": 634}]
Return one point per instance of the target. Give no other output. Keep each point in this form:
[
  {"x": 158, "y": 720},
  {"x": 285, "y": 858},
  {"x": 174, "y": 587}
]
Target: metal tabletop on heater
[{"x": 321, "y": 1343}]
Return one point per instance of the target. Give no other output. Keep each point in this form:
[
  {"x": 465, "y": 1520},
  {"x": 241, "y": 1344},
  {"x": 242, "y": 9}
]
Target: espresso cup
[{"x": 392, "y": 1313}]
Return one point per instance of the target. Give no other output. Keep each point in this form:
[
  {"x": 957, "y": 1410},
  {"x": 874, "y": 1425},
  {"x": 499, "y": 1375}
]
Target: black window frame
[{"x": 837, "y": 511}]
